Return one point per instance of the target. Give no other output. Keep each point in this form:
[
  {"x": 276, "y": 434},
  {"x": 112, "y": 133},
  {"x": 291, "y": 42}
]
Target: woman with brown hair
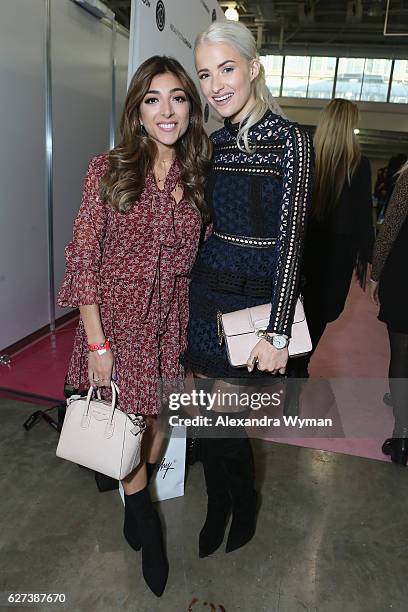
[
  {"x": 340, "y": 233},
  {"x": 127, "y": 269}
]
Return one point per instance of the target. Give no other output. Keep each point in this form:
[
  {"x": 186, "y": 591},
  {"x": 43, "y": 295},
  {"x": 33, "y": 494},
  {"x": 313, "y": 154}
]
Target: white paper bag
[{"x": 168, "y": 478}]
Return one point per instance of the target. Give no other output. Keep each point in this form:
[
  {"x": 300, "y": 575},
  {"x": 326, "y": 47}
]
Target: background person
[
  {"x": 340, "y": 233},
  {"x": 386, "y": 183},
  {"x": 127, "y": 268},
  {"x": 389, "y": 290}
]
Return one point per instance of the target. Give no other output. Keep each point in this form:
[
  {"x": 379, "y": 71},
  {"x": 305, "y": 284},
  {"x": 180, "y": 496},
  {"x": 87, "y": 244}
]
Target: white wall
[
  {"x": 81, "y": 99},
  {"x": 182, "y": 22},
  {"x": 81, "y": 64},
  {"x": 23, "y": 230}
]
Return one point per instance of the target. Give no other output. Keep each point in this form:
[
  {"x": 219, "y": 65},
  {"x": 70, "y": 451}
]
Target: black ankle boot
[
  {"x": 131, "y": 525},
  {"x": 397, "y": 448},
  {"x": 154, "y": 562},
  {"x": 387, "y": 446},
  {"x": 399, "y": 451},
  {"x": 219, "y": 501},
  {"x": 239, "y": 464}
]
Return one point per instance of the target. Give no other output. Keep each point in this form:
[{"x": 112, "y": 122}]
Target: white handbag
[
  {"x": 99, "y": 436},
  {"x": 242, "y": 329}
]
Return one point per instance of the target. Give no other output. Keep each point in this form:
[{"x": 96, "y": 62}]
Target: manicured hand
[{"x": 267, "y": 358}]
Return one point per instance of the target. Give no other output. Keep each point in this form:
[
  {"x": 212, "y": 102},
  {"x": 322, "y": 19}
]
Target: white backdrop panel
[
  {"x": 121, "y": 58},
  {"x": 81, "y": 97},
  {"x": 23, "y": 235},
  {"x": 169, "y": 27}
]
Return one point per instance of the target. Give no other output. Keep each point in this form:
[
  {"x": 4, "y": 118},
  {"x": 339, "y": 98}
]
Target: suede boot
[
  {"x": 239, "y": 463},
  {"x": 130, "y": 525},
  {"x": 219, "y": 501},
  {"x": 154, "y": 562},
  {"x": 397, "y": 446}
]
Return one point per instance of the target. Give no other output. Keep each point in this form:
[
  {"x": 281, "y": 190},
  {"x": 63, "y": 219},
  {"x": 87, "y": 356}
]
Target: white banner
[{"x": 169, "y": 27}]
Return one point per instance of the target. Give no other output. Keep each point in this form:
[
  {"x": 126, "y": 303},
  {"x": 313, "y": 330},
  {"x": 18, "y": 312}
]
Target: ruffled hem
[{"x": 80, "y": 288}]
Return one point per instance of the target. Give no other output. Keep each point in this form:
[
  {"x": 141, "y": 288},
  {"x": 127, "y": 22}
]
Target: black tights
[{"x": 398, "y": 375}]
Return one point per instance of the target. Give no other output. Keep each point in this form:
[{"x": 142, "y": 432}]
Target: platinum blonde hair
[{"x": 236, "y": 35}]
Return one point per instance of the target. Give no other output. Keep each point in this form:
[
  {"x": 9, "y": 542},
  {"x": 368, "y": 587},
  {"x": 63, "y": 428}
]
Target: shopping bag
[{"x": 168, "y": 478}]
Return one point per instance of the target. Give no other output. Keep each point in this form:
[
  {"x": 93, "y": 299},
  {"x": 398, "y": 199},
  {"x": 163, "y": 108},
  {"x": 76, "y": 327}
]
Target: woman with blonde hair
[
  {"x": 135, "y": 239},
  {"x": 340, "y": 234},
  {"x": 258, "y": 193},
  {"x": 389, "y": 290}
]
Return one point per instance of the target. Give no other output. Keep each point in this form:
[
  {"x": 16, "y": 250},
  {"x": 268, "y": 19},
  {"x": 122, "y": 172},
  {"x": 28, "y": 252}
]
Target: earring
[{"x": 142, "y": 130}]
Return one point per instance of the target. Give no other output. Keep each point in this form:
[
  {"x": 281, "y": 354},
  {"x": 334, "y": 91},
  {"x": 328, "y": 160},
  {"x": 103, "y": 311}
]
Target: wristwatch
[{"x": 279, "y": 341}]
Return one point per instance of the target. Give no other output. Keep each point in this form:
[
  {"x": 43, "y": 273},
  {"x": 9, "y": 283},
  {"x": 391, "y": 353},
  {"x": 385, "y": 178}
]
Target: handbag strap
[{"x": 115, "y": 393}]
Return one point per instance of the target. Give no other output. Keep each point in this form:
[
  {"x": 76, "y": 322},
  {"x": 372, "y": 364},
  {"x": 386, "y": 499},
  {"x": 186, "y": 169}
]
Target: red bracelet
[{"x": 99, "y": 347}]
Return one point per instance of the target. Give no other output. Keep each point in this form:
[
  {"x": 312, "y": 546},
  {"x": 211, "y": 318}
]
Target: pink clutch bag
[{"x": 242, "y": 329}]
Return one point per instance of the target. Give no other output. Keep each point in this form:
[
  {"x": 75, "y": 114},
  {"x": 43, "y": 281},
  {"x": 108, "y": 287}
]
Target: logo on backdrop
[
  {"x": 146, "y": 2},
  {"x": 206, "y": 113},
  {"x": 214, "y": 15},
  {"x": 205, "y": 6},
  {"x": 181, "y": 36},
  {"x": 160, "y": 15}
]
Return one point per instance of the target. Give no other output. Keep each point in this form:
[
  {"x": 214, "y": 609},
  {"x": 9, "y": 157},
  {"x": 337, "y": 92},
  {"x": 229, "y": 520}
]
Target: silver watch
[{"x": 279, "y": 341}]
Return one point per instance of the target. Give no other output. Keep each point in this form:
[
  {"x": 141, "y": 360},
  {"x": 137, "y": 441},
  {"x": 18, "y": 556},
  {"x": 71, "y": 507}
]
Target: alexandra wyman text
[{"x": 227, "y": 421}]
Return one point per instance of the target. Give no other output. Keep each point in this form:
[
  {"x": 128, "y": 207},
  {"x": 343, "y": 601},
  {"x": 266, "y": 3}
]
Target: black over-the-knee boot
[
  {"x": 239, "y": 464},
  {"x": 219, "y": 501}
]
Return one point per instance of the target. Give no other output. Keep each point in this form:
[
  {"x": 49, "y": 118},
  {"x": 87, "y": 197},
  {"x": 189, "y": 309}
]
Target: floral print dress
[{"x": 136, "y": 266}]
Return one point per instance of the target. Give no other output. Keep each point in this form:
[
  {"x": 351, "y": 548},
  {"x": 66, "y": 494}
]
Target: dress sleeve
[
  {"x": 81, "y": 283},
  {"x": 297, "y": 169},
  {"x": 395, "y": 216}
]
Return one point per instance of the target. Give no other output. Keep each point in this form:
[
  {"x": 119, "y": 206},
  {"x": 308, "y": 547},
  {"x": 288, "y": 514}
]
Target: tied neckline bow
[{"x": 163, "y": 205}]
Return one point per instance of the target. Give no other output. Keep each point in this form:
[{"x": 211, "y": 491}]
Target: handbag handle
[{"x": 86, "y": 416}]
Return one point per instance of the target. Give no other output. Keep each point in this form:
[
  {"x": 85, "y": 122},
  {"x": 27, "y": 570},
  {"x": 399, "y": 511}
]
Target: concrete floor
[{"x": 331, "y": 537}]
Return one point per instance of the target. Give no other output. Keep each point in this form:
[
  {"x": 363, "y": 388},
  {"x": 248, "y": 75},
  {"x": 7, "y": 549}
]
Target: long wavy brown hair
[
  {"x": 134, "y": 156},
  {"x": 337, "y": 154}
]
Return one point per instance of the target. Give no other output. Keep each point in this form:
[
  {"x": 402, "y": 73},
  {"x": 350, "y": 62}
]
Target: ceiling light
[
  {"x": 356, "y": 131},
  {"x": 232, "y": 14}
]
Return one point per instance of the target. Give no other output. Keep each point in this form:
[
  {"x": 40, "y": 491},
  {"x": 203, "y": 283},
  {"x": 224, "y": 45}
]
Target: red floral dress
[{"x": 136, "y": 266}]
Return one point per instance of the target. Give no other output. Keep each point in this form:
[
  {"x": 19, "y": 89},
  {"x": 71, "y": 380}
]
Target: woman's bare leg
[{"x": 151, "y": 449}]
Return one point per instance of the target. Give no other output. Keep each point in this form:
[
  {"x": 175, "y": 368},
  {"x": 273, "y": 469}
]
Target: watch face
[{"x": 279, "y": 342}]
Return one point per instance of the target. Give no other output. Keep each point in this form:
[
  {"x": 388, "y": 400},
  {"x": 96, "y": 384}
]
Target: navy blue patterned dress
[{"x": 264, "y": 196}]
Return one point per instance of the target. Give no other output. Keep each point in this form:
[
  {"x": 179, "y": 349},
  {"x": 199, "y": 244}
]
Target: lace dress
[
  {"x": 136, "y": 266},
  {"x": 262, "y": 196}
]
